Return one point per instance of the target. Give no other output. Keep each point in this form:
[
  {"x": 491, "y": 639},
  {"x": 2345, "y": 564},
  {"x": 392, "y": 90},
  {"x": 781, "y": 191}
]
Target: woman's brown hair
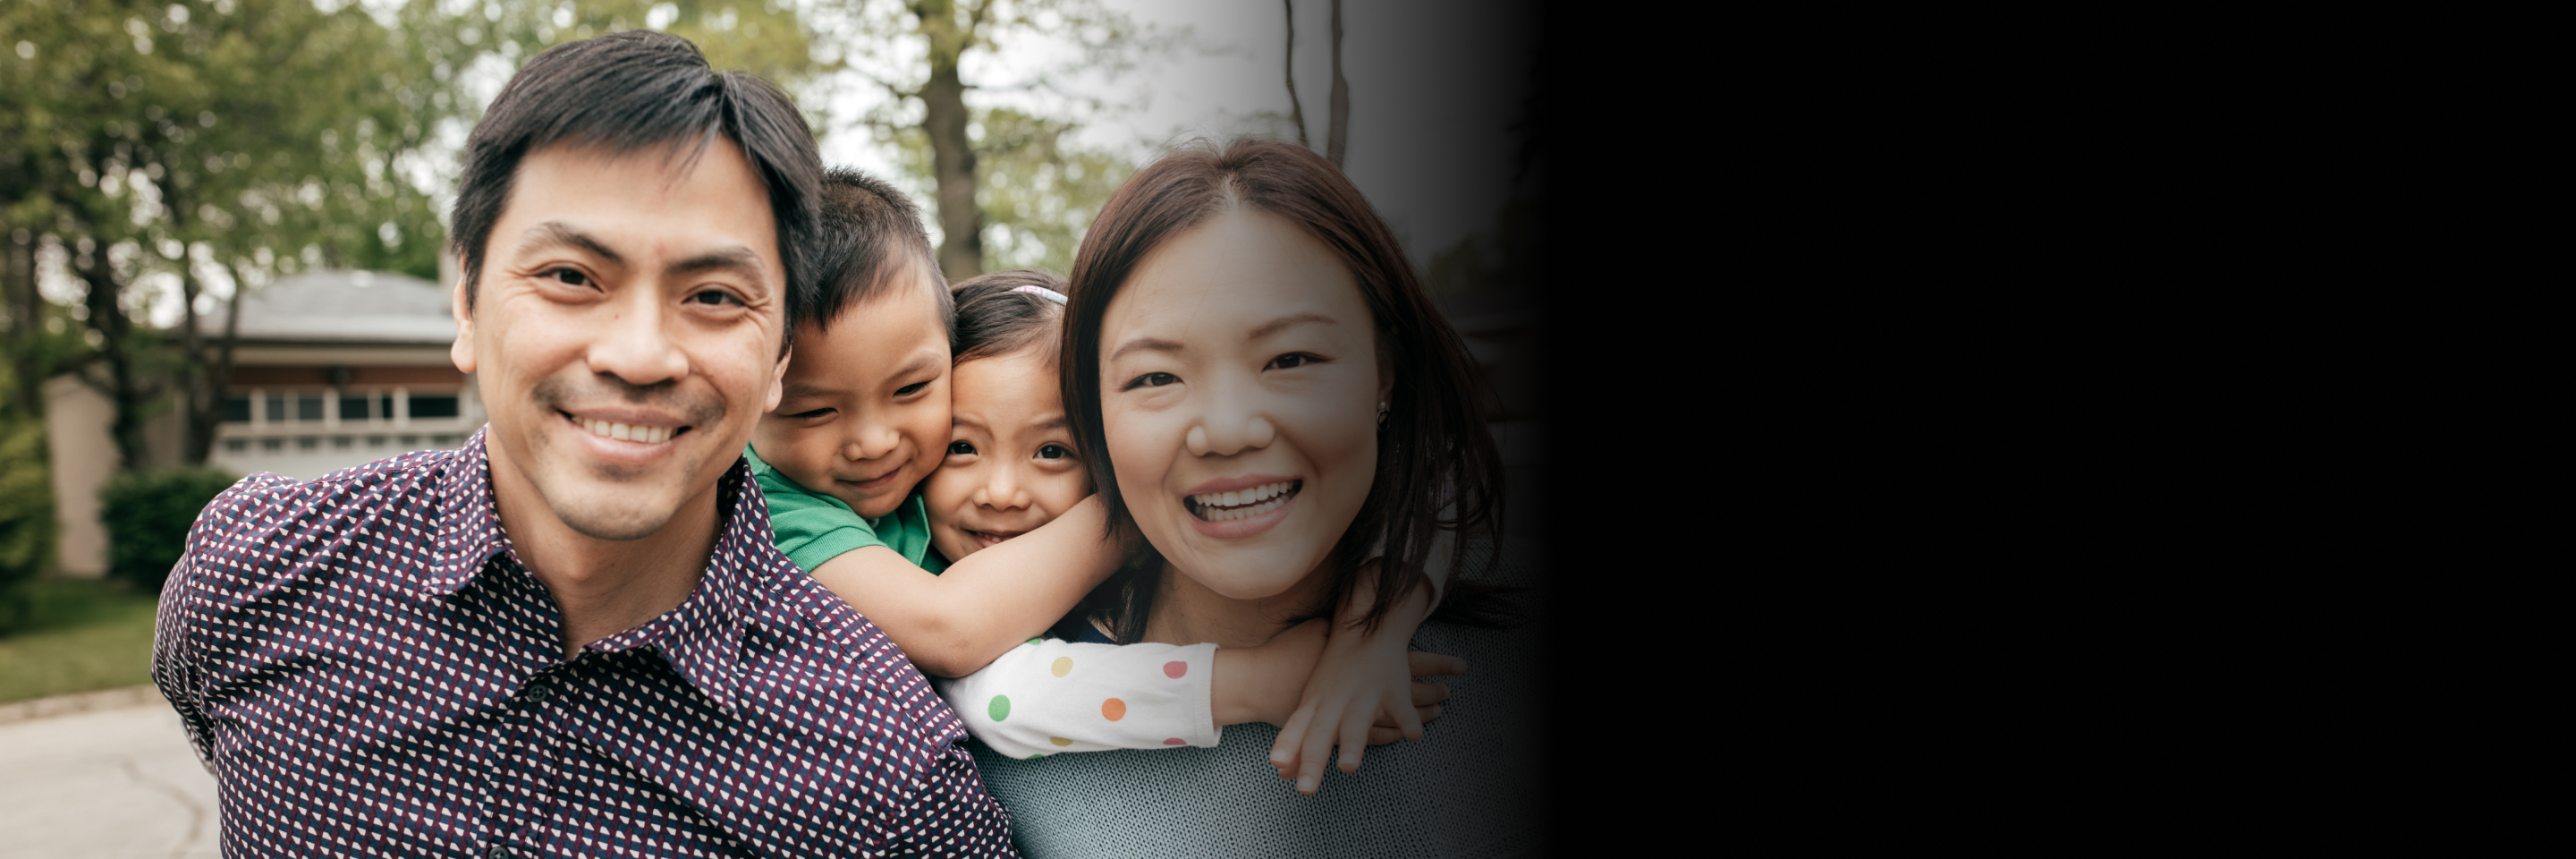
[{"x": 1434, "y": 450}]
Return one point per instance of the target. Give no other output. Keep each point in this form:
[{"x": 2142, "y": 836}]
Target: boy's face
[
  {"x": 865, "y": 414},
  {"x": 1010, "y": 465}
]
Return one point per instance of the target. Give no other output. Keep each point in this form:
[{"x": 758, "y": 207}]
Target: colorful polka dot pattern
[{"x": 371, "y": 671}]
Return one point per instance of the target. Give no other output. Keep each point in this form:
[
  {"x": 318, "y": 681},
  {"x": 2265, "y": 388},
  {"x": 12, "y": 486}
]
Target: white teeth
[
  {"x": 627, "y": 432},
  {"x": 1268, "y": 496}
]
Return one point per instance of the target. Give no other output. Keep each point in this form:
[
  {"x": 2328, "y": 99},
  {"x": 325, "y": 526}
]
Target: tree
[
  {"x": 156, "y": 149},
  {"x": 994, "y": 166},
  {"x": 1337, "y": 122},
  {"x": 1337, "y": 136}
]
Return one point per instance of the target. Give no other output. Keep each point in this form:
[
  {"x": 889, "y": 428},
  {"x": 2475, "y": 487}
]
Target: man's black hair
[
  {"x": 627, "y": 91},
  {"x": 869, "y": 233}
]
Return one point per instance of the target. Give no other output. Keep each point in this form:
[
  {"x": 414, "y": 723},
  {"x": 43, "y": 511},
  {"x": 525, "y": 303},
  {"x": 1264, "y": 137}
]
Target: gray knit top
[{"x": 1470, "y": 788}]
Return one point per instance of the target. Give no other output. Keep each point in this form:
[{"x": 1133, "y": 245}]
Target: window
[
  {"x": 308, "y": 407},
  {"x": 353, "y": 407},
  {"x": 310, "y": 442},
  {"x": 276, "y": 408},
  {"x": 375, "y": 441},
  {"x": 385, "y": 406},
  {"x": 237, "y": 445},
  {"x": 341, "y": 442},
  {"x": 272, "y": 445},
  {"x": 433, "y": 406},
  {"x": 237, "y": 409}
]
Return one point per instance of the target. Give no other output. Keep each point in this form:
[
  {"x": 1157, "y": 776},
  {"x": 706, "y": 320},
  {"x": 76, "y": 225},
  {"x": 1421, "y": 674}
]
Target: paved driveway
[{"x": 111, "y": 780}]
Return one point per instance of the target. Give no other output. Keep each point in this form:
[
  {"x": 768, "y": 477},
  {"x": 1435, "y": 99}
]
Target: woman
[{"x": 1260, "y": 386}]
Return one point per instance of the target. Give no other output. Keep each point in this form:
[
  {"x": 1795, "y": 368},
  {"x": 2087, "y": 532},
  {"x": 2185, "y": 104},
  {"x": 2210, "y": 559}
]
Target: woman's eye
[
  {"x": 1292, "y": 359},
  {"x": 960, "y": 448},
  {"x": 1151, "y": 380},
  {"x": 812, "y": 414},
  {"x": 1054, "y": 451},
  {"x": 909, "y": 390}
]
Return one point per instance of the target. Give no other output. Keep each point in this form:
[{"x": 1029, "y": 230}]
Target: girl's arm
[
  {"x": 1048, "y": 696},
  {"x": 1363, "y": 677},
  {"x": 955, "y": 622}
]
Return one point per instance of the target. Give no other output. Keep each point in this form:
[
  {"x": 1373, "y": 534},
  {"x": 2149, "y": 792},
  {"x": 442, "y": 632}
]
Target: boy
[{"x": 864, "y": 417}]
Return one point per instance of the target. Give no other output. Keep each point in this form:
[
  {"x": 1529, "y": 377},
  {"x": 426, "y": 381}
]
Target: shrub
[
  {"x": 26, "y": 514},
  {"x": 147, "y": 515}
]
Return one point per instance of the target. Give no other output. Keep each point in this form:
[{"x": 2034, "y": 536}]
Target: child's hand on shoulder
[{"x": 1362, "y": 690}]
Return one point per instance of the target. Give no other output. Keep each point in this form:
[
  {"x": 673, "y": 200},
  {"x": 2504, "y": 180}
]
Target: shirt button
[
  {"x": 499, "y": 851},
  {"x": 538, "y": 691}
]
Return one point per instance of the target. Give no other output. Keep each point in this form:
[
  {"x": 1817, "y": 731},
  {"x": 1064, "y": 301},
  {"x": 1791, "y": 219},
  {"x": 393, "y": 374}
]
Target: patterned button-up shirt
[{"x": 370, "y": 670}]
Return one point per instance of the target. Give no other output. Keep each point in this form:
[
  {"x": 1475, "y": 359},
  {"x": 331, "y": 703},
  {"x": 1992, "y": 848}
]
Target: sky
[{"x": 1435, "y": 87}]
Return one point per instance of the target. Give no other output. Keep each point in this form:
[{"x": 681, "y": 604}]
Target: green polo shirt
[{"x": 811, "y": 527}]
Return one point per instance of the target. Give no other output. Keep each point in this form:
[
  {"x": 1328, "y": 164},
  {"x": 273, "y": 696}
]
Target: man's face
[{"x": 626, "y": 334}]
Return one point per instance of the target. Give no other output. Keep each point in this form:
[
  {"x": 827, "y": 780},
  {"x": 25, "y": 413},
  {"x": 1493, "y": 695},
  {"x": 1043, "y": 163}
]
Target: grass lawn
[{"x": 81, "y": 635}]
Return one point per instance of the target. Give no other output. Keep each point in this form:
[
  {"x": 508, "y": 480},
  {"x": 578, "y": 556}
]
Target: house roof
[{"x": 344, "y": 307}]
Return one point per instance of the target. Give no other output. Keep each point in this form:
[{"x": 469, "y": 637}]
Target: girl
[{"x": 1010, "y": 468}]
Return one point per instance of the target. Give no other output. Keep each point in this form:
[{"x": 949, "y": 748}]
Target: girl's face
[
  {"x": 1010, "y": 465},
  {"x": 1239, "y": 389}
]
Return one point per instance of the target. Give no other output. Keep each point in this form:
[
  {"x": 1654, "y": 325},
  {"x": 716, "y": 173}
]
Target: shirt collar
[
  {"x": 469, "y": 526},
  {"x": 701, "y": 638}
]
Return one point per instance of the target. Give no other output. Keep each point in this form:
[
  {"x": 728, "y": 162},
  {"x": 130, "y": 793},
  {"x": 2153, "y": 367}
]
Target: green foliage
[
  {"x": 26, "y": 512},
  {"x": 147, "y": 515},
  {"x": 78, "y": 635},
  {"x": 1038, "y": 190}
]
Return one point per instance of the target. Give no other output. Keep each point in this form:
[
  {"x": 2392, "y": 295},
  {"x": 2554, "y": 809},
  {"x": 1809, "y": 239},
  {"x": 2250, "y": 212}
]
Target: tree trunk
[
  {"x": 1337, "y": 137},
  {"x": 106, "y": 318},
  {"x": 952, "y": 154},
  {"x": 26, "y": 327},
  {"x": 1296, "y": 110}
]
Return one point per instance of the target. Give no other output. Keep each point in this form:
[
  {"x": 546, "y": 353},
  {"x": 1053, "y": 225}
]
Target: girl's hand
[
  {"x": 1262, "y": 684},
  {"x": 1362, "y": 691}
]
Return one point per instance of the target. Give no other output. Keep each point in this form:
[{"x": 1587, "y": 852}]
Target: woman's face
[
  {"x": 1010, "y": 466},
  {"x": 1240, "y": 382}
]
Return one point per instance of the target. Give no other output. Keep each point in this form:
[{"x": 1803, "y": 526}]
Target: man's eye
[
  {"x": 1292, "y": 359},
  {"x": 960, "y": 448},
  {"x": 572, "y": 277},
  {"x": 1151, "y": 380},
  {"x": 817, "y": 413},
  {"x": 714, "y": 296},
  {"x": 1054, "y": 451}
]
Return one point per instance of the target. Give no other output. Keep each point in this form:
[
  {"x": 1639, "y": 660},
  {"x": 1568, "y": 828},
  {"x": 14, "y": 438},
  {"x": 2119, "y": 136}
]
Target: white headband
[{"x": 1040, "y": 291}]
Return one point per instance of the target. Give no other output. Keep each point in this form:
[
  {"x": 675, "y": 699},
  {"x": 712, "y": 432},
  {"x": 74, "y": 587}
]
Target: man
[{"x": 573, "y": 636}]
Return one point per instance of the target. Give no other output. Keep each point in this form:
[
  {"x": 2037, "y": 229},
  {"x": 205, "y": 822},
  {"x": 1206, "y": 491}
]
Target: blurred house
[{"x": 330, "y": 369}]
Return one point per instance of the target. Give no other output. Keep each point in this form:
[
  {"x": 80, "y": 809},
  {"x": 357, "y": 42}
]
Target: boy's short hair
[
  {"x": 627, "y": 91},
  {"x": 868, "y": 232},
  {"x": 994, "y": 317}
]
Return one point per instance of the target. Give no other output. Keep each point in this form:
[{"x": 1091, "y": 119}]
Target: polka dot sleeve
[{"x": 1049, "y": 696}]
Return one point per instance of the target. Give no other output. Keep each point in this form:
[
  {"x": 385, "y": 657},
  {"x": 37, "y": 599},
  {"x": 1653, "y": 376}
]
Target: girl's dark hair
[
  {"x": 995, "y": 319},
  {"x": 1434, "y": 451}
]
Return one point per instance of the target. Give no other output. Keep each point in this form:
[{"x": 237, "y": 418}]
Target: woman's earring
[{"x": 1381, "y": 413}]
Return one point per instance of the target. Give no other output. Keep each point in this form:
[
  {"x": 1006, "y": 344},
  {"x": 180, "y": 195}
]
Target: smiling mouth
[
  {"x": 627, "y": 432},
  {"x": 989, "y": 539},
  {"x": 1242, "y": 504}
]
